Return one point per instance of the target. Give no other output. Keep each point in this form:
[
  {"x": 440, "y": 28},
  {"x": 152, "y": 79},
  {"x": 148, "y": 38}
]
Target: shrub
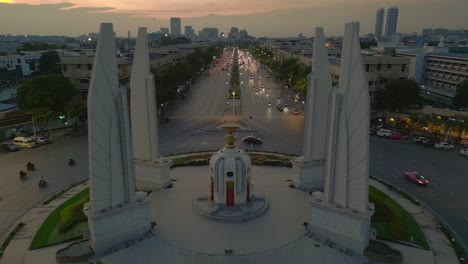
[{"x": 72, "y": 214}]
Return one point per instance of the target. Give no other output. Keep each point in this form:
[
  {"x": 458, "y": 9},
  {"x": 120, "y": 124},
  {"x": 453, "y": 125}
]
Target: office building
[
  {"x": 379, "y": 22},
  {"x": 427, "y": 32},
  {"x": 189, "y": 32},
  {"x": 392, "y": 21},
  {"x": 164, "y": 30},
  {"x": 176, "y": 28}
]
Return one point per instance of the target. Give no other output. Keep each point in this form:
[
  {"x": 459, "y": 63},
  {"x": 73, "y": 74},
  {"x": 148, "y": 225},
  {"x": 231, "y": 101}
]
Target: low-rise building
[{"x": 78, "y": 66}]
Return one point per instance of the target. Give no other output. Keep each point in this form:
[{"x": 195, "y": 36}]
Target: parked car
[
  {"x": 280, "y": 108},
  {"x": 416, "y": 177},
  {"x": 429, "y": 142},
  {"x": 419, "y": 139},
  {"x": 252, "y": 139},
  {"x": 42, "y": 140},
  {"x": 24, "y": 142},
  {"x": 10, "y": 147},
  {"x": 443, "y": 145},
  {"x": 295, "y": 112},
  {"x": 384, "y": 132},
  {"x": 398, "y": 136},
  {"x": 464, "y": 152}
]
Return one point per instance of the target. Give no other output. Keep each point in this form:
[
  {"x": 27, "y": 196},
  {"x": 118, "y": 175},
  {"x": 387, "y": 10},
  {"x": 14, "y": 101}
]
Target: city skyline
[{"x": 260, "y": 19}]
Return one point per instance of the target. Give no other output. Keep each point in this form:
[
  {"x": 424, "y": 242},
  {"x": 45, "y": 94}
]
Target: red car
[
  {"x": 415, "y": 177},
  {"x": 398, "y": 136},
  {"x": 295, "y": 112}
]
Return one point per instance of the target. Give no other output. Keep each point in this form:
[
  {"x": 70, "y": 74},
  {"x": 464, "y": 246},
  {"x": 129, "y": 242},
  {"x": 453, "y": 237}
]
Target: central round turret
[{"x": 231, "y": 195}]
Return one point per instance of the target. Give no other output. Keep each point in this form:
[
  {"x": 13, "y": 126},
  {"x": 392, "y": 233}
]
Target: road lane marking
[{"x": 450, "y": 206}]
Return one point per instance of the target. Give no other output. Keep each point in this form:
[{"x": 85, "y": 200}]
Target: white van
[
  {"x": 384, "y": 132},
  {"x": 24, "y": 142}
]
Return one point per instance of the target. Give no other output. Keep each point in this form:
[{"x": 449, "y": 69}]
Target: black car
[
  {"x": 252, "y": 139},
  {"x": 429, "y": 142},
  {"x": 10, "y": 147}
]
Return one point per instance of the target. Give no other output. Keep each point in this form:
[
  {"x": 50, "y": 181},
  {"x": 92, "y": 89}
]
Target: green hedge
[{"x": 72, "y": 214}]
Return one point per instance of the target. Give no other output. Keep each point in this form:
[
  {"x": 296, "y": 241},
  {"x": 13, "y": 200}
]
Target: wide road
[{"x": 18, "y": 196}]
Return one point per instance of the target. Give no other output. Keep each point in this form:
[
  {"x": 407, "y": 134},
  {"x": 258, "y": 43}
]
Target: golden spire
[{"x": 230, "y": 138}]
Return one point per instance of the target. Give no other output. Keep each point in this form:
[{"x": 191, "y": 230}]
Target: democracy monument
[{"x": 230, "y": 211}]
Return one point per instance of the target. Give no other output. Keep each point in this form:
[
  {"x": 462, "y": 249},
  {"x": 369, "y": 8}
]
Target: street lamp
[{"x": 233, "y": 97}]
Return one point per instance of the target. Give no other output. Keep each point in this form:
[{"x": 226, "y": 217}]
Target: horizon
[{"x": 259, "y": 19}]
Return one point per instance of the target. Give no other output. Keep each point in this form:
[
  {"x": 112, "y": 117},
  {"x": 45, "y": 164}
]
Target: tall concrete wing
[
  {"x": 152, "y": 172},
  {"x": 308, "y": 169},
  {"x": 111, "y": 169},
  {"x": 342, "y": 212},
  {"x": 143, "y": 103},
  {"x": 351, "y": 177},
  {"x": 114, "y": 213}
]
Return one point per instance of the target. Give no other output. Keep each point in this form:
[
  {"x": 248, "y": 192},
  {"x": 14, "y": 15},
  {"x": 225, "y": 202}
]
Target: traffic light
[{"x": 61, "y": 117}]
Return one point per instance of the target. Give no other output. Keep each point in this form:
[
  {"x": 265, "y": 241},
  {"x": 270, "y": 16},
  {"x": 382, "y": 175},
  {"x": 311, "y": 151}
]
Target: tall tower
[
  {"x": 176, "y": 28},
  {"x": 392, "y": 20},
  {"x": 379, "y": 22}
]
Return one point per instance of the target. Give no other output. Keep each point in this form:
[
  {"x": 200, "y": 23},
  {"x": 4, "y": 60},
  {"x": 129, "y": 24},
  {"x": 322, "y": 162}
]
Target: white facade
[{"x": 13, "y": 61}]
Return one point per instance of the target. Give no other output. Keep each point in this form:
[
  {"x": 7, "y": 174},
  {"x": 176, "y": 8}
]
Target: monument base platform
[
  {"x": 152, "y": 175},
  {"x": 307, "y": 176},
  {"x": 115, "y": 226},
  {"x": 346, "y": 227},
  {"x": 258, "y": 205}
]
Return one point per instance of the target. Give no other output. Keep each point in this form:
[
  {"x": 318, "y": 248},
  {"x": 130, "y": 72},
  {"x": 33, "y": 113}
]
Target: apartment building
[
  {"x": 78, "y": 66},
  {"x": 445, "y": 71}
]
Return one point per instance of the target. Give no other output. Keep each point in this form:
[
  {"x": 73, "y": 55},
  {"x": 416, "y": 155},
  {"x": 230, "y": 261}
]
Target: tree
[
  {"x": 460, "y": 100},
  {"x": 46, "y": 96},
  {"x": 397, "y": 94},
  {"x": 48, "y": 63}
]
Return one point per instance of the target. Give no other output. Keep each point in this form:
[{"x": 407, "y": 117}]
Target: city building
[
  {"x": 189, "y": 32},
  {"x": 427, "y": 32},
  {"x": 391, "y": 22},
  {"x": 208, "y": 33},
  {"x": 176, "y": 28},
  {"x": 164, "y": 30},
  {"x": 78, "y": 66},
  {"x": 379, "y": 23},
  {"x": 25, "y": 63}
]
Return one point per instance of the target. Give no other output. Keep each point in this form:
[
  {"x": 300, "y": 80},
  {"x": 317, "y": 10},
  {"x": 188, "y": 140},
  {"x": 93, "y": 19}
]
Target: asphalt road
[
  {"x": 51, "y": 161},
  {"x": 194, "y": 126}
]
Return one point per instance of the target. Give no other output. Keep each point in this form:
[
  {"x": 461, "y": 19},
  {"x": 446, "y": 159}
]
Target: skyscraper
[
  {"x": 379, "y": 22},
  {"x": 392, "y": 20},
  {"x": 176, "y": 28}
]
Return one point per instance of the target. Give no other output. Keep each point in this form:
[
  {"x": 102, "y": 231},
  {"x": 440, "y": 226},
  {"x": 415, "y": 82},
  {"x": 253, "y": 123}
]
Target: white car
[
  {"x": 384, "y": 132},
  {"x": 443, "y": 145},
  {"x": 464, "y": 152}
]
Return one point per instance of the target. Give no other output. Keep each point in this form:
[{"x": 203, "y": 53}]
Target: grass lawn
[
  {"x": 394, "y": 223},
  {"x": 48, "y": 234}
]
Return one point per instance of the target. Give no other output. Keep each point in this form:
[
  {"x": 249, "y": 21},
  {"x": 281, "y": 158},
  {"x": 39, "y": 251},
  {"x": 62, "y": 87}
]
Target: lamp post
[{"x": 233, "y": 97}]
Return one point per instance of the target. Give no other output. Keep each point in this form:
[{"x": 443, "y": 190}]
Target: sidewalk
[{"x": 18, "y": 249}]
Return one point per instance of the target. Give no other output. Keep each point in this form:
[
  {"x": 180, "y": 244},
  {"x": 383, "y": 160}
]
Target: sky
[{"x": 272, "y": 18}]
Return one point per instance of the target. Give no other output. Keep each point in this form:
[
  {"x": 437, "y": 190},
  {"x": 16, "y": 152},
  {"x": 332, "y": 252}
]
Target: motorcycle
[
  {"x": 42, "y": 183},
  {"x": 71, "y": 162},
  {"x": 23, "y": 175},
  {"x": 30, "y": 166}
]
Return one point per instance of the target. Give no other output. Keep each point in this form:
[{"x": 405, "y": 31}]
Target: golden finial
[{"x": 230, "y": 138}]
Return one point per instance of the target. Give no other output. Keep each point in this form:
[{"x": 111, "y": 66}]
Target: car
[
  {"x": 429, "y": 142},
  {"x": 464, "y": 152},
  {"x": 42, "y": 140},
  {"x": 295, "y": 112},
  {"x": 384, "y": 132},
  {"x": 252, "y": 139},
  {"x": 419, "y": 140},
  {"x": 9, "y": 146},
  {"x": 416, "y": 177},
  {"x": 251, "y": 77},
  {"x": 443, "y": 145},
  {"x": 280, "y": 108},
  {"x": 398, "y": 136}
]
